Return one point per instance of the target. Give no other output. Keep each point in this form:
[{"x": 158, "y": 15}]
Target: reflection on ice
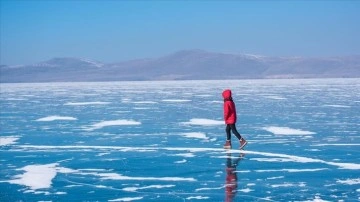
[{"x": 231, "y": 180}]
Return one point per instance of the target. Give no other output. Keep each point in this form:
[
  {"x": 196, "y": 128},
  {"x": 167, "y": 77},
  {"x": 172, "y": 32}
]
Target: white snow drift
[
  {"x": 7, "y": 140},
  {"x": 286, "y": 131},
  {"x": 57, "y": 118},
  {"x": 120, "y": 122},
  {"x": 204, "y": 122}
]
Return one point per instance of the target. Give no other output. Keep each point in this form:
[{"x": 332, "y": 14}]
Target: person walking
[{"x": 230, "y": 120}]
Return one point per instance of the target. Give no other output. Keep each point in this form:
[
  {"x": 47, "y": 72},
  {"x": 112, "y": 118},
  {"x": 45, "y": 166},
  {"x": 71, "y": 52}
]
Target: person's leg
[
  {"x": 236, "y": 133},
  {"x": 242, "y": 141},
  {"x": 227, "y": 144},
  {"x": 228, "y": 134}
]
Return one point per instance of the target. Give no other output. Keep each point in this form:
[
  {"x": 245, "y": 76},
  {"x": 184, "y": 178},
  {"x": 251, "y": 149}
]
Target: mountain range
[{"x": 184, "y": 65}]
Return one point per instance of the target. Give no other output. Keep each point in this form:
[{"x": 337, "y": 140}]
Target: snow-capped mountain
[{"x": 185, "y": 64}]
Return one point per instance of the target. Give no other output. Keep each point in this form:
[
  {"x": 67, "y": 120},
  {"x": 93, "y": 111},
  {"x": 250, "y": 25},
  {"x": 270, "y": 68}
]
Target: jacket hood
[{"x": 226, "y": 94}]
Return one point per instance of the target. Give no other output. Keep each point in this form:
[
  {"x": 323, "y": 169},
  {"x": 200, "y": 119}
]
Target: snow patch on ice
[
  {"x": 313, "y": 150},
  {"x": 188, "y": 155},
  {"x": 60, "y": 193},
  {"x": 204, "y": 122},
  {"x": 126, "y": 100},
  {"x": 293, "y": 170},
  {"x": 86, "y": 103},
  {"x": 41, "y": 176},
  {"x": 195, "y": 135},
  {"x": 144, "y": 102},
  {"x": 182, "y": 161},
  {"x": 349, "y": 181},
  {"x": 287, "y": 184},
  {"x": 317, "y": 199},
  {"x": 197, "y": 197},
  {"x": 116, "y": 176},
  {"x": 134, "y": 189},
  {"x": 243, "y": 171},
  {"x": 299, "y": 159},
  {"x": 321, "y": 145},
  {"x": 102, "y": 154},
  {"x": 7, "y": 140},
  {"x": 119, "y": 122},
  {"x": 337, "y": 106},
  {"x": 16, "y": 99},
  {"x": 209, "y": 188},
  {"x": 271, "y": 159},
  {"x": 246, "y": 190},
  {"x": 275, "y": 97},
  {"x": 175, "y": 100},
  {"x": 275, "y": 178},
  {"x": 142, "y": 108},
  {"x": 286, "y": 131},
  {"x": 204, "y": 95},
  {"x": 126, "y": 199},
  {"x": 36, "y": 176},
  {"x": 216, "y": 101},
  {"x": 350, "y": 166},
  {"x": 57, "y": 118},
  {"x": 100, "y": 186}
]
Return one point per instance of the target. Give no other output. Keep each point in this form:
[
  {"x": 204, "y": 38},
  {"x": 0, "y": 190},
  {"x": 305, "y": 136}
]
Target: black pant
[{"x": 232, "y": 127}]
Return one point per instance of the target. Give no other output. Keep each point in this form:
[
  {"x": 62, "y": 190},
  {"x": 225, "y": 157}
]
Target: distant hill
[{"x": 184, "y": 65}]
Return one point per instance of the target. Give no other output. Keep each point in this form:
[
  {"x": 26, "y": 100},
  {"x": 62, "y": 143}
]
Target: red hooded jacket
[{"x": 229, "y": 108}]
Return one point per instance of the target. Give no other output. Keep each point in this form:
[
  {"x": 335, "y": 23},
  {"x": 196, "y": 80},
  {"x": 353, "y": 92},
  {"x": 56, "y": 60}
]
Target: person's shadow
[{"x": 231, "y": 176}]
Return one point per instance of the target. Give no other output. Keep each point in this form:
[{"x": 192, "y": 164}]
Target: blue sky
[{"x": 113, "y": 31}]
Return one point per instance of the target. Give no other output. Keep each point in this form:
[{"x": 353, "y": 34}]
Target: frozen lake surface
[{"x": 162, "y": 141}]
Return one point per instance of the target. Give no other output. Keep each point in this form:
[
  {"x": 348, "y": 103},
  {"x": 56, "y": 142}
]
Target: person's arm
[{"x": 226, "y": 111}]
